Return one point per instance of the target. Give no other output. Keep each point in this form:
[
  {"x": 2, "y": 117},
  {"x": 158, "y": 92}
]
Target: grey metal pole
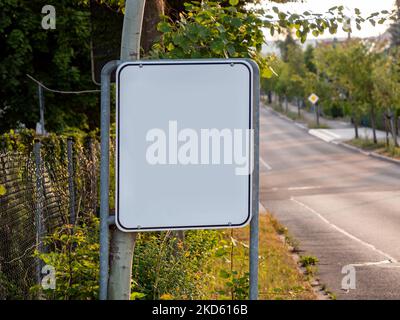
[
  {"x": 39, "y": 206},
  {"x": 254, "y": 224},
  {"x": 71, "y": 186},
  {"x": 105, "y": 176},
  {"x": 41, "y": 108},
  {"x": 316, "y": 108}
]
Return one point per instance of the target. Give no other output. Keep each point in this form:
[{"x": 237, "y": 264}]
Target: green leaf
[
  {"x": 220, "y": 252},
  {"x": 236, "y": 22},
  {"x": 267, "y": 73},
  {"x": 217, "y": 46},
  {"x": 224, "y": 274},
  {"x": 170, "y": 46},
  {"x": 137, "y": 295},
  {"x": 3, "y": 190},
  {"x": 233, "y": 2},
  {"x": 163, "y": 27}
]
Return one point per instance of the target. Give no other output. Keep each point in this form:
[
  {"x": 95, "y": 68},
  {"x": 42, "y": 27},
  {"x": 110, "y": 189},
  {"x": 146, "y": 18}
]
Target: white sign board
[
  {"x": 313, "y": 98},
  {"x": 185, "y": 143}
]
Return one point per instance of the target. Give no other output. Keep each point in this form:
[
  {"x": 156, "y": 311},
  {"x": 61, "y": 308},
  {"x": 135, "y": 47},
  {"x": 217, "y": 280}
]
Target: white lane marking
[
  {"x": 370, "y": 246},
  {"x": 367, "y": 264},
  {"x": 266, "y": 165},
  {"x": 320, "y": 134},
  {"x": 302, "y": 126},
  {"x": 304, "y": 188},
  {"x": 295, "y": 188}
]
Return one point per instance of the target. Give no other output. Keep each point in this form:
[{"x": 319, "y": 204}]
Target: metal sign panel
[{"x": 185, "y": 144}]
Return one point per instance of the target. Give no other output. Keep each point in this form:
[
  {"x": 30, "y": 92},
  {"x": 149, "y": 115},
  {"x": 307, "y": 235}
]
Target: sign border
[{"x": 253, "y": 76}]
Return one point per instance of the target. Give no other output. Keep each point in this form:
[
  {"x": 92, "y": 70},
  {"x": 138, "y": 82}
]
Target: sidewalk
[
  {"x": 310, "y": 117},
  {"x": 342, "y": 135},
  {"x": 339, "y": 130}
]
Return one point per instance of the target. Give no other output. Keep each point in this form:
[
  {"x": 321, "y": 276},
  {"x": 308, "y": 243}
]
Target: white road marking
[
  {"x": 302, "y": 126},
  {"x": 295, "y": 188},
  {"x": 367, "y": 264},
  {"x": 266, "y": 165},
  {"x": 370, "y": 246},
  {"x": 304, "y": 188}
]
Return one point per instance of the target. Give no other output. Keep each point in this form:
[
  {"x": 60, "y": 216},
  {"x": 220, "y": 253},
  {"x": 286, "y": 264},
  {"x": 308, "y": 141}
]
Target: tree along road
[{"x": 342, "y": 206}]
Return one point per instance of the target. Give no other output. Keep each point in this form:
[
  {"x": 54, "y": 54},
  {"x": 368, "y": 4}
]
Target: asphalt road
[{"x": 342, "y": 206}]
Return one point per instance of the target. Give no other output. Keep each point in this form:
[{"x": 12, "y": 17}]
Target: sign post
[
  {"x": 187, "y": 148},
  {"x": 313, "y": 98}
]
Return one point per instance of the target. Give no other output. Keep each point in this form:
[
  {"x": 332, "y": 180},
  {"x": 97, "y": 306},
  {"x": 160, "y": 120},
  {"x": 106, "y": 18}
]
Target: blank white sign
[{"x": 183, "y": 189}]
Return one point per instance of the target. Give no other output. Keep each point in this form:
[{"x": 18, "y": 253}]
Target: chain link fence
[{"x": 50, "y": 183}]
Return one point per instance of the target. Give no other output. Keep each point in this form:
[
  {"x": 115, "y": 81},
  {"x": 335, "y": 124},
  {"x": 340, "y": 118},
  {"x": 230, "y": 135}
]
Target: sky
[{"x": 366, "y": 7}]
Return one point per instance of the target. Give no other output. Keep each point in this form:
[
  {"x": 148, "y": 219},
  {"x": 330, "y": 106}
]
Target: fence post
[
  {"x": 39, "y": 206},
  {"x": 93, "y": 175},
  {"x": 41, "y": 109},
  {"x": 71, "y": 187}
]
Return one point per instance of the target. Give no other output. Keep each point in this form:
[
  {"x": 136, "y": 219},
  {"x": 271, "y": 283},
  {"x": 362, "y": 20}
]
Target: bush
[
  {"x": 165, "y": 267},
  {"x": 74, "y": 253}
]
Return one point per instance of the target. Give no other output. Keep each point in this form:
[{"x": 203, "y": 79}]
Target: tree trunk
[
  {"x": 385, "y": 118},
  {"x": 355, "y": 127},
  {"x": 373, "y": 124},
  {"x": 298, "y": 107},
  {"x": 269, "y": 97},
  {"x": 286, "y": 104},
  {"x": 393, "y": 128},
  {"x": 122, "y": 244},
  {"x": 152, "y": 12}
]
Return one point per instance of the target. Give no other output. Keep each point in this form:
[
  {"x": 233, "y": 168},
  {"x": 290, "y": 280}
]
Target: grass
[
  {"x": 313, "y": 125},
  {"x": 279, "y": 275},
  {"x": 296, "y": 117},
  {"x": 380, "y": 147}
]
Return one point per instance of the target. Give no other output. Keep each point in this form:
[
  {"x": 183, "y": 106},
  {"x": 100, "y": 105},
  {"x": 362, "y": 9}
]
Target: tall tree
[{"x": 394, "y": 28}]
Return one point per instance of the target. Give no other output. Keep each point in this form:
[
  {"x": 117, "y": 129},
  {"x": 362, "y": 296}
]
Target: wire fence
[{"x": 50, "y": 183}]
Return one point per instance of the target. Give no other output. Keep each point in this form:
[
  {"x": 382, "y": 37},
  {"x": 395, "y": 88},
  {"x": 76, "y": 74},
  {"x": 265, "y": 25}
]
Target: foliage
[
  {"x": 308, "y": 261},
  {"x": 60, "y": 58},
  {"x": 386, "y": 80},
  {"x": 279, "y": 276},
  {"x": 394, "y": 29},
  {"x": 209, "y": 30},
  {"x": 164, "y": 267},
  {"x": 348, "y": 66},
  {"x": 318, "y": 23},
  {"x": 74, "y": 255}
]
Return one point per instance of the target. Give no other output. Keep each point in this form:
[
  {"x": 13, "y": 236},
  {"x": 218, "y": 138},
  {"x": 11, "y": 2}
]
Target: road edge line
[{"x": 344, "y": 232}]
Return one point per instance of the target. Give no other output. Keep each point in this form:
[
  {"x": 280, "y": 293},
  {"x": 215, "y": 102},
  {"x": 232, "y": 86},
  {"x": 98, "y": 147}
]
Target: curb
[
  {"x": 370, "y": 154},
  {"x": 344, "y": 145},
  {"x": 282, "y": 116}
]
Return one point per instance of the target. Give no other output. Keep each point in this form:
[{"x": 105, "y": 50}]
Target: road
[{"x": 342, "y": 206}]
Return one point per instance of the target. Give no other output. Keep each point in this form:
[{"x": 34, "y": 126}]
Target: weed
[{"x": 307, "y": 261}]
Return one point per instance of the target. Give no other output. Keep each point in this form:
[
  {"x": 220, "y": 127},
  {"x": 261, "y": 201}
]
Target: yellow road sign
[{"x": 313, "y": 98}]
